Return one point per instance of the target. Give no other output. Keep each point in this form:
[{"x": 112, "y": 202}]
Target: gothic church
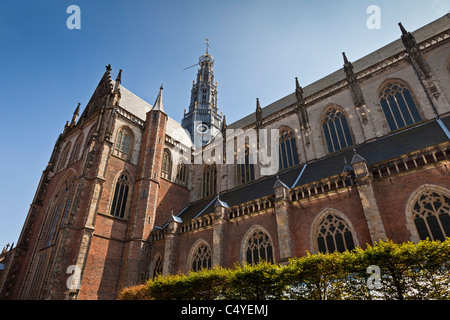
[{"x": 364, "y": 155}]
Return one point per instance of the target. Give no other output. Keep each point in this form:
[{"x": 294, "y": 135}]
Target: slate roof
[
  {"x": 440, "y": 25},
  {"x": 390, "y": 146}
]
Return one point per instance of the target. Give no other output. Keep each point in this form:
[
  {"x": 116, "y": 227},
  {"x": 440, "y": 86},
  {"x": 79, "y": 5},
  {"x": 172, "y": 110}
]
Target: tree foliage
[{"x": 406, "y": 271}]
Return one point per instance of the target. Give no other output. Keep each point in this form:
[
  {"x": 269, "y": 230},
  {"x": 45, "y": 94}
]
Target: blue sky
[{"x": 259, "y": 48}]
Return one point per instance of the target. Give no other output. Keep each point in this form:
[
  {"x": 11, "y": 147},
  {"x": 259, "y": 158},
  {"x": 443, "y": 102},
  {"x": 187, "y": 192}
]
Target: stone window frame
[
  {"x": 64, "y": 156},
  {"x": 166, "y": 164},
  {"x": 292, "y": 157},
  {"x": 209, "y": 180},
  {"x": 314, "y": 245},
  {"x": 382, "y": 92},
  {"x": 77, "y": 152},
  {"x": 118, "y": 148},
  {"x": 248, "y": 235},
  {"x": 349, "y": 136},
  {"x": 244, "y": 172},
  {"x": 57, "y": 213},
  {"x": 130, "y": 183},
  {"x": 182, "y": 174},
  {"x": 194, "y": 256},
  {"x": 157, "y": 266},
  {"x": 410, "y": 203}
]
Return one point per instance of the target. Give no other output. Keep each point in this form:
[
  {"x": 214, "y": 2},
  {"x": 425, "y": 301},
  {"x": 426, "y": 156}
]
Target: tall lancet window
[
  {"x": 120, "y": 198},
  {"x": 288, "y": 149},
  {"x": 336, "y": 130},
  {"x": 182, "y": 174},
  {"x": 209, "y": 181},
  {"x": 123, "y": 143},
  {"x": 166, "y": 167},
  {"x": 398, "y": 105},
  {"x": 245, "y": 171}
]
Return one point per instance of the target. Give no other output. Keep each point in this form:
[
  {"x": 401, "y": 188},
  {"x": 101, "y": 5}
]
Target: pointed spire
[
  {"x": 357, "y": 158},
  {"x": 118, "y": 80},
  {"x": 159, "y": 101},
  {"x": 119, "y": 76},
  {"x": 345, "y": 59},
  {"x": 173, "y": 218},
  {"x": 258, "y": 113},
  {"x": 220, "y": 203},
  {"x": 347, "y": 167},
  {"x": 75, "y": 115},
  {"x": 224, "y": 123},
  {"x": 413, "y": 50},
  {"x": 279, "y": 183},
  {"x": 299, "y": 92},
  {"x": 404, "y": 32},
  {"x": 408, "y": 40},
  {"x": 348, "y": 69}
]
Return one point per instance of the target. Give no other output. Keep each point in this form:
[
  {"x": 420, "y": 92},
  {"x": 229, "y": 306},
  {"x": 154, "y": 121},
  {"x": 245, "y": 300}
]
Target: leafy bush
[{"x": 406, "y": 271}]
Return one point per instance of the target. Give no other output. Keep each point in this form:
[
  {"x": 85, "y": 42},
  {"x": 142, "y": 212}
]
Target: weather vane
[{"x": 207, "y": 47}]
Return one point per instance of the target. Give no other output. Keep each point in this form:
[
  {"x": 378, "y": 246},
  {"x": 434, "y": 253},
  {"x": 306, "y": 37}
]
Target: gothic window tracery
[
  {"x": 166, "y": 167},
  {"x": 123, "y": 143},
  {"x": 431, "y": 213},
  {"x": 77, "y": 149},
  {"x": 63, "y": 159},
  {"x": 288, "y": 156},
  {"x": 259, "y": 247},
  {"x": 58, "y": 211},
  {"x": 209, "y": 181},
  {"x": 157, "y": 270},
  {"x": 334, "y": 234},
  {"x": 120, "y": 198},
  {"x": 245, "y": 171},
  {"x": 182, "y": 174},
  {"x": 202, "y": 257},
  {"x": 336, "y": 130},
  {"x": 398, "y": 105}
]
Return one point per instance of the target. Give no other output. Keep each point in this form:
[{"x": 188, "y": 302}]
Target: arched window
[
  {"x": 245, "y": 171},
  {"x": 398, "y": 105},
  {"x": 56, "y": 219},
  {"x": 158, "y": 268},
  {"x": 123, "y": 143},
  {"x": 120, "y": 198},
  {"x": 334, "y": 234},
  {"x": 431, "y": 213},
  {"x": 63, "y": 158},
  {"x": 58, "y": 211},
  {"x": 182, "y": 174},
  {"x": 201, "y": 258},
  {"x": 166, "y": 167},
  {"x": 258, "y": 247},
  {"x": 209, "y": 181},
  {"x": 288, "y": 149},
  {"x": 77, "y": 151},
  {"x": 336, "y": 130}
]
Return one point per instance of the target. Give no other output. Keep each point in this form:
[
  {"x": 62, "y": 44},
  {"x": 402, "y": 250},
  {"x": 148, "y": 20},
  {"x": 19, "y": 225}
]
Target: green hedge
[{"x": 407, "y": 271}]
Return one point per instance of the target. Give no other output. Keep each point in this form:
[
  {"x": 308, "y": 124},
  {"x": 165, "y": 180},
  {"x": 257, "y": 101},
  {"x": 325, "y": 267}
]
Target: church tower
[{"x": 203, "y": 119}]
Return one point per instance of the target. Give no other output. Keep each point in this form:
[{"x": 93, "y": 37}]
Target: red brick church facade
[{"x": 364, "y": 155}]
